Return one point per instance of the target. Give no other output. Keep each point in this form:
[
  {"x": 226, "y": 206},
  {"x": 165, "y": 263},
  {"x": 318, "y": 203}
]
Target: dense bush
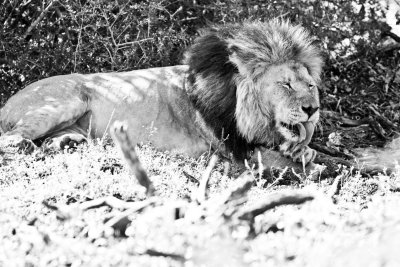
[{"x": 44, "y": 38}]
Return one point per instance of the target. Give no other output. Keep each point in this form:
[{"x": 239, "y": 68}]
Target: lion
[{"x": 241, "y": 87}]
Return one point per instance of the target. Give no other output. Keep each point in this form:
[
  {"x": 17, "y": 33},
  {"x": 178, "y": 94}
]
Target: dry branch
[
  {"x": 71, "y": 211},
  {"x": 119, "y": 224},
  {"x": 191, "y": 177},
  {"x": 271, "y": 202},
  {"x": 331, "y": 152},
  {"x": 152, "y": 252},
  {"x": 328, "y": 159},
  {"x": 278, "y": 179},
  {"x": 343, "y": 121},
  {"x": 60, "y": 15},
  {"x": 116, "y": 203},
  {"x": 120, "y": 136},
  {"x": 129, "y": 44},
  {"x": 202, "y": 192},
  {"x": 37, "y": 21},
  {"x": 382, "y": 119},
  {"x": 335, "y": 187},
  {"x": 243, "y": 184}
]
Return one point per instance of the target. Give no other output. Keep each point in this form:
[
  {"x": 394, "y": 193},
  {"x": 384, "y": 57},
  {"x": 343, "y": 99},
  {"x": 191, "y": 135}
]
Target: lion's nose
[{"x": 309, "y": 109}]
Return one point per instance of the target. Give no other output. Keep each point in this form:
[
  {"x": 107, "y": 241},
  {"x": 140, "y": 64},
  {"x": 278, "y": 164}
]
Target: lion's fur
[
  {"x": 224, "y": 63},
  {"x": 221, "y": 95}
]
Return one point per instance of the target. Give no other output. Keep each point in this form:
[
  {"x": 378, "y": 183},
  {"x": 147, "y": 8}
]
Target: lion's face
[
  {"x": 293, "y": 97},
  {"x": 287, "y": 97}
]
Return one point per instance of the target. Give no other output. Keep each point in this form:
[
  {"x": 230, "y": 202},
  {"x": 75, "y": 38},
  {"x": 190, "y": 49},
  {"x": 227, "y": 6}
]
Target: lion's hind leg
[
  {"x": 25, "y": 122},
  {"x": 16, "y": 140}
]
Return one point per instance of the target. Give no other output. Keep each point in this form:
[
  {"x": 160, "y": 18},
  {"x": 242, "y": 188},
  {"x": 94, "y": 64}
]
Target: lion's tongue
[{"x": 306, "y": 130}]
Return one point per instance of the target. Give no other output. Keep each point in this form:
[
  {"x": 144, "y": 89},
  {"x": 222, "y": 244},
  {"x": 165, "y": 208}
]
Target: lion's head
[{"x": 255, "y": 83}]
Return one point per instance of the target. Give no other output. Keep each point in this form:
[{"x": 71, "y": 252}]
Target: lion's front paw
[
  {"x": 299, "y": 153},
  {"x": 68, "y": 141},
  {"x": 307, "y": 153}
]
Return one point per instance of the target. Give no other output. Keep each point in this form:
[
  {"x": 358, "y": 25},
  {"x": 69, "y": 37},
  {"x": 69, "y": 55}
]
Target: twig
[
  {"x": 191, "y": 177},
  {"x": 382, "y": 119},
  {"x": 202, "y": 191},
  {"x": 393, "y": 36},
  {"x": 152, "y": 252},
  {"x": 78, "y": 46},
  {"x": 107, "y": 126},
  {"x": 377, "y": 128},
  {"x": 273, "y": 201},
  {"x": 277, "y": 180},
  {"x": 328, "y": 152},
  {"x": 227, "y": 167},
  {"x": 68, "y": 212},
  {"x": 176, "y": 12},
  {"x": 345, "y": 122},
  {"x": 9, "y": 14},
  {"x": 115, "y": 203},
  {"x": 63, "y": 213},
  {"x": 120, "y": 136},
  {"x": 390, "y": 48},
  {"x": 242, "y": 185},
  {"x": 41, "y": 16},
  {"x": 122, "y": 220},
  {"x": 126, "y": 44},
  {"x": 335, "y": 187},
  {"x": 189, "y": 19},
  {"x": 111, "y": 56},
  {"x": 260, "y": 165},
  {"x": 60, "y": 15},
  {"x": 49, "y": 206}
]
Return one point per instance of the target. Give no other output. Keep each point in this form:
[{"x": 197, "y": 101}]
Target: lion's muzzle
[{"x": 309, "y": 109}]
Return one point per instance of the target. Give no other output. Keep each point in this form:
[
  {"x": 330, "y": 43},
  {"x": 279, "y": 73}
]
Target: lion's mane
[{"x": 223, "y": 64}]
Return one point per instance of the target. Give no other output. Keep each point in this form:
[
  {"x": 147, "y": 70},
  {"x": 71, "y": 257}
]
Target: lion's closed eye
[{"x": 286, "y": 85}]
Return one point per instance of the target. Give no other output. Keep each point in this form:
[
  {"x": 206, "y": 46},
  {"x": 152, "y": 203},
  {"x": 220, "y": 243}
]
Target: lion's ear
[
  {"x": 235, "y": 57},
  {"x": 246, "y": 62}
]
